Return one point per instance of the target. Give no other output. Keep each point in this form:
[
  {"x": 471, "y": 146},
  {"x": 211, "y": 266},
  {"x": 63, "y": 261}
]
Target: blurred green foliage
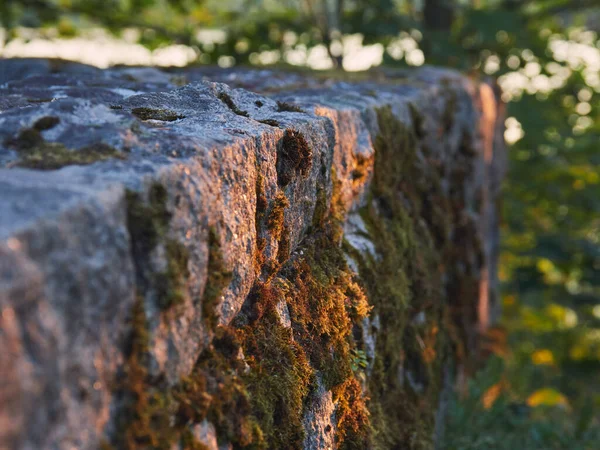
[
  {"x": 507, "y": 424},
  {"x": 546, "y": 56},
  {"x": 548, "y": 380}
]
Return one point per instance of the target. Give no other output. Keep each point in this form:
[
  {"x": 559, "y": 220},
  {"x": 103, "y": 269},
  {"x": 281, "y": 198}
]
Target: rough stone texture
[
  {"x": 319, "y": 420},
  {"x": 67, "y": 270}
]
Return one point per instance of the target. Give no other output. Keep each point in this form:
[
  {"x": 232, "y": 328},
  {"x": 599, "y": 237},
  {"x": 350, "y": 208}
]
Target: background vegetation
[{"x": 541, "y": 390}]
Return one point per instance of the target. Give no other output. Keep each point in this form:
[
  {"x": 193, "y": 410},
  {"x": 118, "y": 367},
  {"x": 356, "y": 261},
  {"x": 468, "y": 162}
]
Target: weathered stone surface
[
  {"x": 319, "y": 420},
  {"x": 72, "y": 262}
]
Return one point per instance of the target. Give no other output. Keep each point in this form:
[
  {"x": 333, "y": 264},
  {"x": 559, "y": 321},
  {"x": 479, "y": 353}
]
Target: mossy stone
[
  {"x": 37, "y": 153},
  {"x": 294, "y": 157},
  {"x": 288, "y": 107},
  {"x": 165, "y": 115},
  {"x": 218, "y": 278},
  {"x": 226, "y": 98}
]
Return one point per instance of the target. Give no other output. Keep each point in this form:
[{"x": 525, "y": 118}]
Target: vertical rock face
[{"x": 254, "y": 259}]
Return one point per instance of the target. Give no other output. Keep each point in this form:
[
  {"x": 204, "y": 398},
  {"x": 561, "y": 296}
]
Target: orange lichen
[{"x": 352, "y": 415}]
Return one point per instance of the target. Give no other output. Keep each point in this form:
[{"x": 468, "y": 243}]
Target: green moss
[
  {"x": 325, "y": 302},
  {"x": 449, "y": 110},
  {"x": 261, "y": 209},
  {"x": 257, "y": 402},
  {"x": 259, "y": 256},
  {"x": 417, "y": 119},
  {"x": 28, "y": 139},
  {"x": 352, "y": 416},
  {"x": 288, "y": 107},
  {"x": 406, "y": 280},
  {"x": 189, "y": 442},
  {"x": 52, "y": 156},
  {"x": 360, "y": 170},
  {"x": 144, "y": 419},
  {"x": 179, "y": 80},
  {"x": 226, "y": 98},
  {"x": 218, "y": 278},
  {"x": 294, "y": 157},
  {"x": 215, "y": 391},
  {"x": 320, "y": 211},
  {"x": 278, "y": 382},
  {"x": 154, "y": 415},
  {"x": 192, "y": 397},
  {"x": 270, "y": 122},
  {"x": 261, "y": 197},
  {"x": 36, "y": 153},
  {"x": 40, "y": 100},
  {"x": 326, "y": 306},
  {"x": 148, "y": 223},
  {"x": 170, "y": 284},
  {"x": 275, "y": 219},
  {"x": 166, "y": 115},
  {"x": 284, "y": 246},
  {"x": 46, "y": 123}
]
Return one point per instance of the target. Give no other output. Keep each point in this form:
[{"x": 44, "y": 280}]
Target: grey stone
[
  {"x": 319, "y": 420},
  {"x": 206, "y": 433},
  {"x": 284, "y": 313}
]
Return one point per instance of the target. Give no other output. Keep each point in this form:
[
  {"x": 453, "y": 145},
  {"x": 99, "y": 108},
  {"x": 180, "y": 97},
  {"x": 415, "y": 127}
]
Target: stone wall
[{"x": 205, "y": 258}]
